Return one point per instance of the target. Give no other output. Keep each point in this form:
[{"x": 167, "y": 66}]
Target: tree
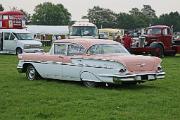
[
  {"x": 102, "y": 17},
  {"x": 135, "y": 12},
  {"x": 148, "y": 11},
  {"x": 27, "y": 16},
  {"x": 50, "y": 14},
  {"x": 171, "y": 19},
  {"x": 1, "y": 7},
  {"x": 139, "y": 19}
]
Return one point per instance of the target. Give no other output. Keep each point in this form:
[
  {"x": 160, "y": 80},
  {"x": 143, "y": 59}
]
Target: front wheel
[
  {"x": 158, "y": 51},
  {"x": 31, "y": 73},
  {"x": 18, "y": 51}
]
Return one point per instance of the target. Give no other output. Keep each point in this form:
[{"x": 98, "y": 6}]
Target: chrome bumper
[
  {"x": 134, "y": 77},
  {"x": 140, "y": 77}
]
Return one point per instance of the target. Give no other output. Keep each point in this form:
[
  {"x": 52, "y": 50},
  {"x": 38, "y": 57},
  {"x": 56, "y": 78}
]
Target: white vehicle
[
  {"x": 83, "y": 29},
  {"x": 17, "y": 41}
]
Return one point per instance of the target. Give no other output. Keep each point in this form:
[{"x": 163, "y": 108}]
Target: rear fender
[{"x": 88, "y": 76}]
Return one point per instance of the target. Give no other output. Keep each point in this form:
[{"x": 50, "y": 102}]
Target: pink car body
[{"x": 92, "y": 61}]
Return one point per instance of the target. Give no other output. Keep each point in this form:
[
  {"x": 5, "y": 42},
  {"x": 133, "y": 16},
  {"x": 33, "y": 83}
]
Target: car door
[
  {"x": 72, "y": 64},
  {"x": 1, "y": 42},
  {"x": 51, "y": 66},
  {"x": 9, "y": 41}
]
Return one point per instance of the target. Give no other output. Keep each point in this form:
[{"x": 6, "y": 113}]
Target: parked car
[{"x": 91, "y": 61}]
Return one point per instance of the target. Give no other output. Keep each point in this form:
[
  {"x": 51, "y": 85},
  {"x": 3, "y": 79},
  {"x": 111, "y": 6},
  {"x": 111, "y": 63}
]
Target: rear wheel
[
  {"x": 89, "y": 84},
  {"x": 31, "y": 73},
  {"x": 129, "y": 83}
]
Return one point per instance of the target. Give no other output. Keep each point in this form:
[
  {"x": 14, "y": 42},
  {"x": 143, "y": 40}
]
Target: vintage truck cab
[{"x": 158, "y": 41}]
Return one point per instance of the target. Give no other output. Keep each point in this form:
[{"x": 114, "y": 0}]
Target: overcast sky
[{"x": 78, "y": 8}]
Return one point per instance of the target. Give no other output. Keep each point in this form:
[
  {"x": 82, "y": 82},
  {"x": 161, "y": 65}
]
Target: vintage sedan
[{"x": 91, "y": 61}]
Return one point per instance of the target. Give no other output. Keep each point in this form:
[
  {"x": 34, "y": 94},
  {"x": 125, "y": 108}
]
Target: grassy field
[{"x": 21, "y": 99}]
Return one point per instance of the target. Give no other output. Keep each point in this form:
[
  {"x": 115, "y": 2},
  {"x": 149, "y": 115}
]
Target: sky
[{"x": 79, "y": 8}]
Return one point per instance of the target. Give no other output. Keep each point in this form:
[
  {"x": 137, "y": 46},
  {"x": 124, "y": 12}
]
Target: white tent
[{"x": 45, "y": 29}]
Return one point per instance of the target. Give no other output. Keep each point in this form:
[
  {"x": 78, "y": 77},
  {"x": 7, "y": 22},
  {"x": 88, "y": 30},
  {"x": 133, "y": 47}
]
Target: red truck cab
[{"x": 158, "y": 41}]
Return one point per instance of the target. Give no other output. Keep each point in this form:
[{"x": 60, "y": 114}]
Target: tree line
[{"x": 48, "y": 13}]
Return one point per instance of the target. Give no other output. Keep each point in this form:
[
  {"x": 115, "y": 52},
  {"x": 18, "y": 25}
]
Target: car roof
[
  {"x": 15, "y": 30},
  {"x": 86, "y": 42}
]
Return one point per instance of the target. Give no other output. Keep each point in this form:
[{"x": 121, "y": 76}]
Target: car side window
[
  {"x": 166, "y": 31},
  {"x": 6, "y": 36},
  {"x": 12, "y": 37},
  {"x": 75, "y": 49},
  {"x": 60, "y": 49},
  {"x": 95, "y": 49}
]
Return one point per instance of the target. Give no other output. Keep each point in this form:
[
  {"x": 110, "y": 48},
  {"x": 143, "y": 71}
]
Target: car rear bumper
[{"x": 142, "y": 77}]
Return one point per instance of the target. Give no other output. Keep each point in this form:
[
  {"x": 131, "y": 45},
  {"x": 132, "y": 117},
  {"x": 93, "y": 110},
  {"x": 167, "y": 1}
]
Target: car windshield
[
  {"x": 83, "y": 31},
  {"x": 24, "y": 36},
  {"x": 107, "y": 49},
  {"x": 153, "y": 31}
]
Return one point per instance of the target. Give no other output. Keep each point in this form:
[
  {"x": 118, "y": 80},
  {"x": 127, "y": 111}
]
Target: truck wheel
[
  {"x": 31, "y": 73},
  {"x": 18, "y": 51},
  {"x": 158, "y": 50}
]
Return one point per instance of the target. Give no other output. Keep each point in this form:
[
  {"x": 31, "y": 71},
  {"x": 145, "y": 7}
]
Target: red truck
[{"x": 157, "y": 41}]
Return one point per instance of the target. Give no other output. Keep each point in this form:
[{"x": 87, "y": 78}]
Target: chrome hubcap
[{"x": 31, "y": 73}]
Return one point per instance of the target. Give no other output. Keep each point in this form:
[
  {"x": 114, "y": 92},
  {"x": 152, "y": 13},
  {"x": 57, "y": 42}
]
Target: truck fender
[
  {"x": 155, "y": 44},
  {"x": 88, "y": 76}
]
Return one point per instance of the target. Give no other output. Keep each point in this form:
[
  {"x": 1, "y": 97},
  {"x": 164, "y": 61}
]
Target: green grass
[{"x": 21, "y": 99}]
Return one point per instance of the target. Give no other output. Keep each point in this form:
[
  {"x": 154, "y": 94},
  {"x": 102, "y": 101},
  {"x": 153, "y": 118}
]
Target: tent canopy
[{"x": 45, "y": 29}]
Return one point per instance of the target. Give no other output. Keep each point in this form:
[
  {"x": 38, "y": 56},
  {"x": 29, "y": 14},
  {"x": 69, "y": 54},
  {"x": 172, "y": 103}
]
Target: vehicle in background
[
  {"x": 90, "y": 61},
  {"x": 83, "y": 29},
  {"x": 158, "y": 41},
  {"x": 112, "y": 33},
  {"x": 13, "y": 37},
  {"x": 103, "y": 35}
]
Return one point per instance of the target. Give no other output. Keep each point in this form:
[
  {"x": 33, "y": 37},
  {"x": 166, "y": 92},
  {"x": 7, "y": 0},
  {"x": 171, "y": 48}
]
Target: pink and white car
[{"x": 90, "y": 61}]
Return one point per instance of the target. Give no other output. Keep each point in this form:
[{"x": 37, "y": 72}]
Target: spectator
[
  {"x": 118, "y": 39},
  {"x": 127, "y": 40}
]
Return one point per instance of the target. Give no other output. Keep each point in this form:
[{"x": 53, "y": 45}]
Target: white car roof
[{"x": 15, "y": 30}]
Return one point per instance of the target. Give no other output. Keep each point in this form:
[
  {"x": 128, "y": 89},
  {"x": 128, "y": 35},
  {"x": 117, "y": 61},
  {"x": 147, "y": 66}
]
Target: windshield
[
  {"x": 107, "y": 49},
  {"x": 83, "y": 31},
  {"x": 24, "y": 36},
  {"x": 153, "y": 31}
]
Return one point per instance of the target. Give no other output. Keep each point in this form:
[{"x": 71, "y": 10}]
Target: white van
[{"x": 16, "y": 41}]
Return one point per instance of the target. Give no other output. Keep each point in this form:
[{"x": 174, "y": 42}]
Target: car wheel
[
  {"x": 89, "y": 84},
  {"x": 129, "y": 83},
  {"x": 18, "y": 51},
  {"x": 31, "y": 73}
]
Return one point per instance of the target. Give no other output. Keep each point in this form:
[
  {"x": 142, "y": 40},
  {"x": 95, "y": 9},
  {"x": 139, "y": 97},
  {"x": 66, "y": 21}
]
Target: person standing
[{"x": 127, "y": 41}]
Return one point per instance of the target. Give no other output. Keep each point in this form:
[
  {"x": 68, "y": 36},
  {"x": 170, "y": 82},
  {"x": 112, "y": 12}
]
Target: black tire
[
  {"x": 158, "y": 50},
  {"x": 31, "y": 73},
  {"x": 89, "y": 84},
  {"x": 129, "y": 83},
  {"x": 18, "y": 51}
]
